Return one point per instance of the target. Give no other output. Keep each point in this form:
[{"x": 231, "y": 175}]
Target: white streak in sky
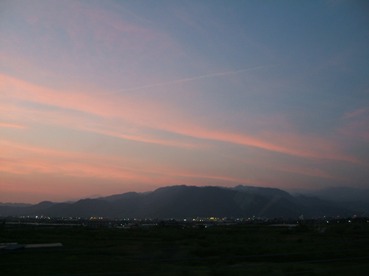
[{"x": 206, "y": 76}]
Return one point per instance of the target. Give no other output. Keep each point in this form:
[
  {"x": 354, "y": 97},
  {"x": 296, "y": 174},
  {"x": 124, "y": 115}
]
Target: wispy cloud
[
  {"x": 143, "y": 138},
  {"x": 22, "y": 159},
  {"x": 26, "y": 159},
  {"x": 117, "y": 93},
  {"x": 160, "y": 116},
  {"x": 356, "y": 113},
  {"x": 195, "y": 78},
  {"x": 12, "y": 125},
  {"x": 296, "y": 145},
  {"x": 356, "y": 124}
]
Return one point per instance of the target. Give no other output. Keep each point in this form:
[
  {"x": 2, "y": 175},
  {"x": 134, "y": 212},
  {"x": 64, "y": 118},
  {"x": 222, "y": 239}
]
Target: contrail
[{"x": 206, "y": 76}]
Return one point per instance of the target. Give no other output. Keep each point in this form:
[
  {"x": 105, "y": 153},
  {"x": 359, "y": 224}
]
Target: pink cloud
[
  {"x": 356, "y": 113},
  {"x": 24, "y": 160},
  {"x": 285, "y": 143},
  {"x": 103, "y": 126},
  {"x": 311, "y": 146},
  {"x": 308, "y": 171},
  {"x": 158, "y": 115},
  {"x": 12, "y": 125},
  {"x": 21, "y": 159},
  {"x": 314, "y": 168},
  {"x": 356, "y": 124}
]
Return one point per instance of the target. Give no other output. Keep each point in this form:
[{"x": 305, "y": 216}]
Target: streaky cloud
[
  {"x": 11, "y": 125},
  {"x": 195, "y": 78},
  {"x": 164, "y": 117}
]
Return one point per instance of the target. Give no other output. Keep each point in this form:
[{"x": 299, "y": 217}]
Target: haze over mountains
[{"x": 192, "y": 201}]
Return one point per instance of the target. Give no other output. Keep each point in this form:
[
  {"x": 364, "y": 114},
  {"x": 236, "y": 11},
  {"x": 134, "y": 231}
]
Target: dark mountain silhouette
[
  {"x": 353, "y": 198},
  {"x": 190, "y": 201},
  {"x": 342, "y": 194}
]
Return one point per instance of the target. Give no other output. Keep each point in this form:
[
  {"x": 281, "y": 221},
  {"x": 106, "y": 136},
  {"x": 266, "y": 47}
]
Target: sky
[{"x": 106, "y": 97}]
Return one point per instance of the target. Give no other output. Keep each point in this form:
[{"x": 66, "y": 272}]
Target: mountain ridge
[{"x": 182, "y": 201}]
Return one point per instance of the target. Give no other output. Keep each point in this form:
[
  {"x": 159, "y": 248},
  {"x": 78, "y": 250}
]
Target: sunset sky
[{"x": 106, "y": 97}]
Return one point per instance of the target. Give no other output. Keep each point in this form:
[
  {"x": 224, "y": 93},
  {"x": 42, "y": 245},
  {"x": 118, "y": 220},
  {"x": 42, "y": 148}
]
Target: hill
[{"x": 190, "y": 201}]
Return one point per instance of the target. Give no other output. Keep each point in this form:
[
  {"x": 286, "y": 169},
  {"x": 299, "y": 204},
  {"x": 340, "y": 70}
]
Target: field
[{"x": 313, "y": 249}]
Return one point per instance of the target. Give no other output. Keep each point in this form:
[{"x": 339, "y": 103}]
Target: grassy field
[{"x": 335, "y": 249}]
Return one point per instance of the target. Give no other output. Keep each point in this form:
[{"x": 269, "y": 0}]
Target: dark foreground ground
[{"x": 314, "y": 249}]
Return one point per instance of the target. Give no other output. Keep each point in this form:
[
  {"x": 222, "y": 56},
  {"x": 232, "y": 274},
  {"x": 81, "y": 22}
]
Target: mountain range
[{"x": 192, "y": 201}]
